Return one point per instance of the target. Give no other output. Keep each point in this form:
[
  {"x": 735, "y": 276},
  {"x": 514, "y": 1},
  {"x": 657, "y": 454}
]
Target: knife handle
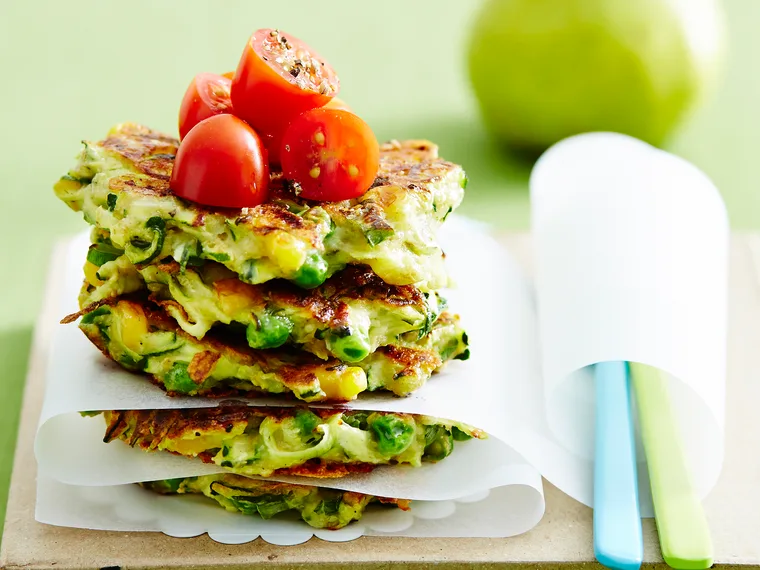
[
  {"x": 618, "y": 539},
  {"x": 681, "y": 523}
]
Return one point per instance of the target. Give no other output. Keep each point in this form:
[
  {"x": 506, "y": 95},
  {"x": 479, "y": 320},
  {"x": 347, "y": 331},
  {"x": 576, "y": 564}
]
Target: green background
[{"x": 73, "y": 68}]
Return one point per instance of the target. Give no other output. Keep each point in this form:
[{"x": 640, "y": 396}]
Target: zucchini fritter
[
  {"x": 121, "y": 185},
  {"x": 142, "y": 338},
  {"x": 289, "y": 441},
  {"x": 320, "y": 508},
  {"x": 348, "y": 317}
]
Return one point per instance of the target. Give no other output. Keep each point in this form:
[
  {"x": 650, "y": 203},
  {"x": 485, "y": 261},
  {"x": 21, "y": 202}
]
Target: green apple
[{"x": 543, "y": 70}]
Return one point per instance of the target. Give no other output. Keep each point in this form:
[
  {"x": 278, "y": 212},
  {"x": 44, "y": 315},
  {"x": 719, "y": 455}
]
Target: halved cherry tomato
[
  {"x": 273, "y": 139},
  {"x": 221, "y": 162},
  {"x": 207, "y": 95},
  {"x": 338, "y": 103},
  {"x": 332, "y": 154},
  {"x": 279, "y": 77}
]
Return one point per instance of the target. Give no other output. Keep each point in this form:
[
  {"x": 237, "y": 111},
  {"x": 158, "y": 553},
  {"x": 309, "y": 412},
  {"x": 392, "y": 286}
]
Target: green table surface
[{"x": 72, "y": 69}]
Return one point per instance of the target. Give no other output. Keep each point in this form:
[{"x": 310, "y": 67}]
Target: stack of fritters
[{"x": 317, "y": 301}]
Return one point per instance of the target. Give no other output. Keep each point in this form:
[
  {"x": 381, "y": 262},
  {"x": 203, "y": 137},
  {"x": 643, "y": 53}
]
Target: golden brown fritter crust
[
  {"x": 320, "y": 470},
  {"x": 68, "y": 319},
  {"x": 150, "y": 151},
  {"x": 411, "y": 359}
]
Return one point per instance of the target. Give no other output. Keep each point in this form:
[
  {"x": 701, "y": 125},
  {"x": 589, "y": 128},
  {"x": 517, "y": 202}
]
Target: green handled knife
[{"x": 681, "y": 524}]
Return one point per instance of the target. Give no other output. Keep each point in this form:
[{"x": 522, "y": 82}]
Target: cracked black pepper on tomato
[{"x": 278, "y": 78}]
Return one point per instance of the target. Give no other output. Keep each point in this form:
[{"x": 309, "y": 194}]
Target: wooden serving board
[{"x": 562, "y": 538}]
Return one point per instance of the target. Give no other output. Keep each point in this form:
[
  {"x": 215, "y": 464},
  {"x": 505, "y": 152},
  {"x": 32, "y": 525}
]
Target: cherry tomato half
[
  {"x": 273, "y": 138},
  {"x": 332, "y": 154},
  {"x": 279, "y": 77},
  {"x": 221, "y": 162},
  {"x": 207, "y": 95}
]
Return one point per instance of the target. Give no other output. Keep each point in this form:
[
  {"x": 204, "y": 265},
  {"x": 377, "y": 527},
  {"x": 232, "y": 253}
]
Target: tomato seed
[{"x": 314, "y": 172}]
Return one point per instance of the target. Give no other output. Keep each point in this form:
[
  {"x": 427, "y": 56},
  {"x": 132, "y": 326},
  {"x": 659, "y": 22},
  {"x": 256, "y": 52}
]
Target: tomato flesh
[
  {"x": 221, "y": 162},
  {"x": 278, "y": 78},
  {"x": 332, "y": 154}
]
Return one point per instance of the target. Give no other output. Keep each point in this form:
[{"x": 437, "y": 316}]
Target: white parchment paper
[
  {"x": 501, "y": 512},
  {"x": 631, "y": 254}
]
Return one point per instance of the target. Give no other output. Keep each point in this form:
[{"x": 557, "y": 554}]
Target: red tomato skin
[
  {"x": 267, "y": 97},
  {"x": 273, "y": 143},
  {"x": 208, "y": 94},
  {"x": 348, "y": 141},
  {"x": 221, "y": 163}
]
